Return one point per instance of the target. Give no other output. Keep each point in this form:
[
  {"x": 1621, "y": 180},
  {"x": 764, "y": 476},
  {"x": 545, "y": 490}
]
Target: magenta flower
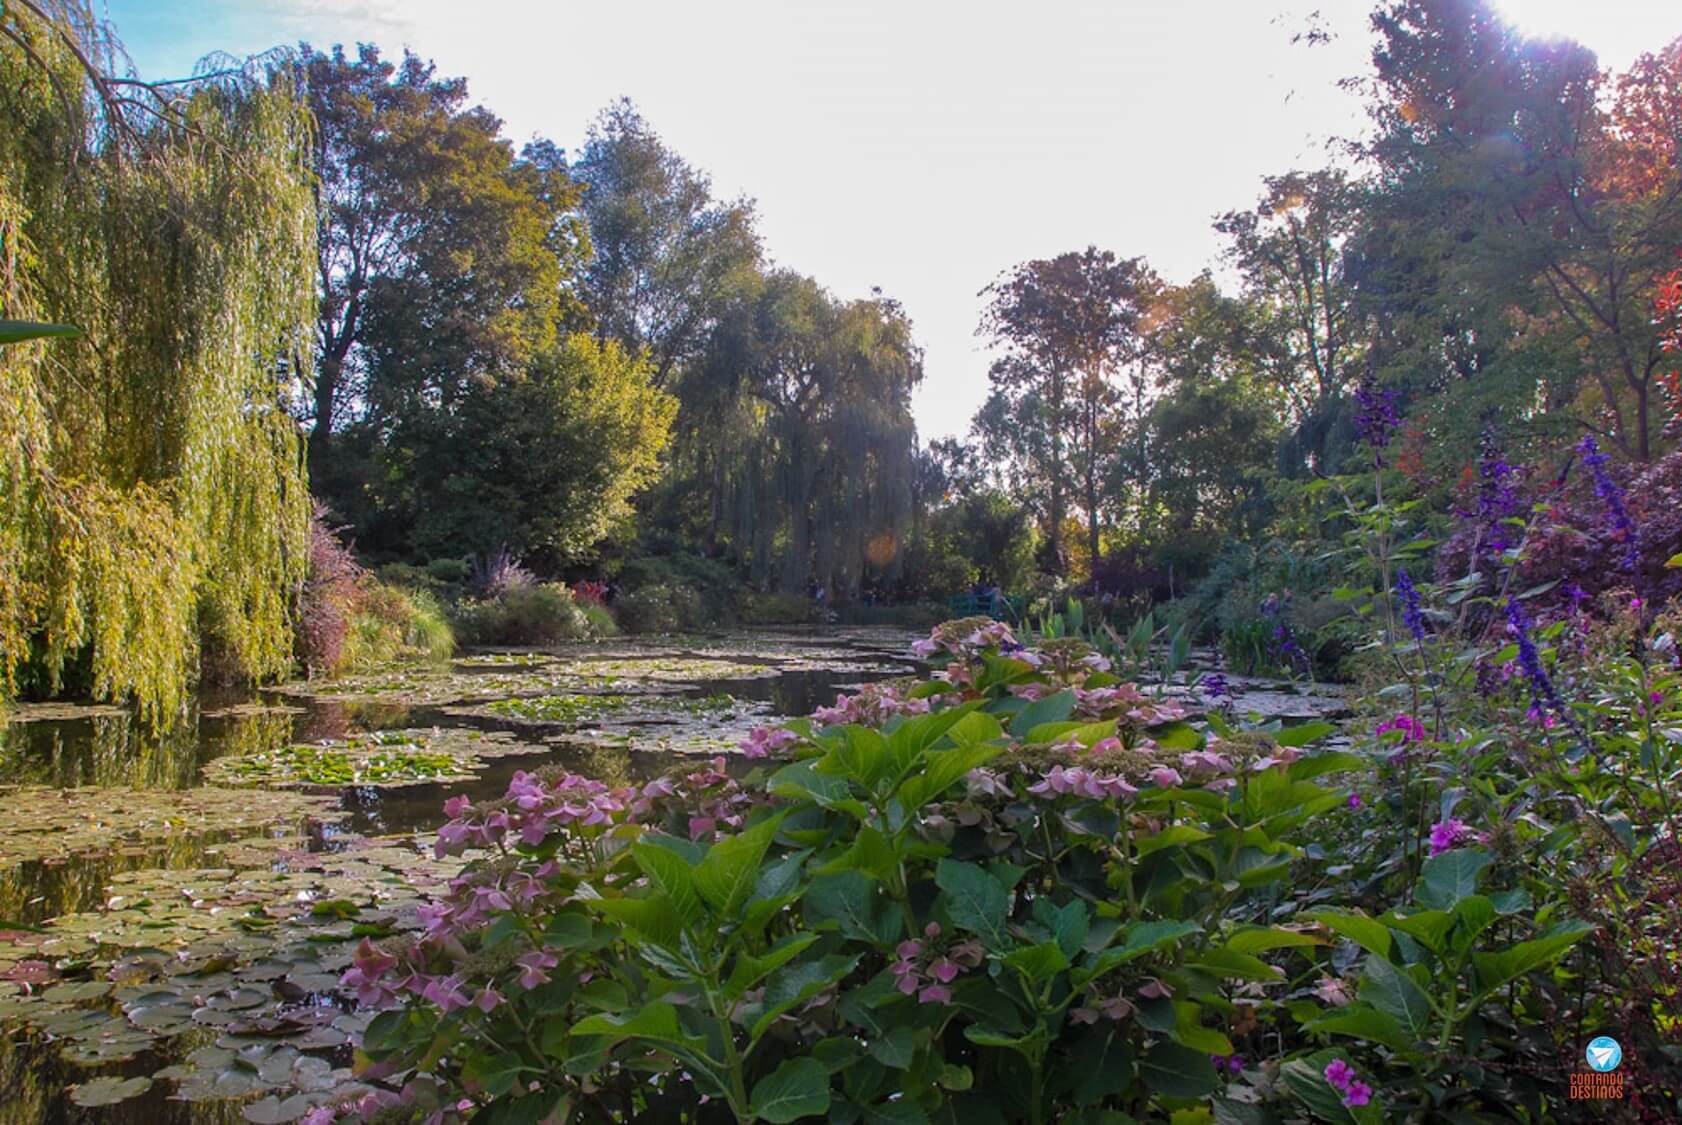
[
  {"x": 1447, "y": 834},
  {"x": 945, "y": 970},
  {"x": 935, "y": 994},
  {"x": 1358, "y": 1094},
  {"x": 1410, "y": 728},
  {"x": 1355, "y": 800},
  {"x": 1340, "y": 1074}
]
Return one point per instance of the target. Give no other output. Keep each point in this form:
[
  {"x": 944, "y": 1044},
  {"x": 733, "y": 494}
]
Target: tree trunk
[{"x": 327, "y": 382}]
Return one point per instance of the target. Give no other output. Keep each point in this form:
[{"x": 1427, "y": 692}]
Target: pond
[{"x": 176, "y": 908}]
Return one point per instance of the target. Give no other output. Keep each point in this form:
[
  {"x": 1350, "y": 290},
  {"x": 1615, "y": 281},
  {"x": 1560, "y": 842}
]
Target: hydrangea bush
[{"x": 1018, "y": 890}]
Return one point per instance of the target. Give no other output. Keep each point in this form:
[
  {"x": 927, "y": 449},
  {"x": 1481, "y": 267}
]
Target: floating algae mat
[
  {"x": 382, "y": 759},
  {"x": 53, "y": 825},
  {"x": 233, "y": 972},
  {"x": 713, "y": 724},
  {"x": 623, "y": 708}
]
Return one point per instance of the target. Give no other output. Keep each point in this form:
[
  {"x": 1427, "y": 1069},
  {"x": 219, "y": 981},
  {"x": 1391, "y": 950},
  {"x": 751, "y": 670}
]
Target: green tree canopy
[{"x": 1066, "y": 327}]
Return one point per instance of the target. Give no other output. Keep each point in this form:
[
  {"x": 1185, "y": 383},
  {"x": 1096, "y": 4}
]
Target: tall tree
[
  {"x": 1289, "y": 249},
  {"x": 442, "y": 257},
  {"x": 544, "y": 462},
  {"x": 1539, "y": 190},
  {"x": 668, "y": 256},
  {"x": 1065, "y": 327},
  {"x": 816, "y": 477},
  {"x": 1214, "y": 421}
]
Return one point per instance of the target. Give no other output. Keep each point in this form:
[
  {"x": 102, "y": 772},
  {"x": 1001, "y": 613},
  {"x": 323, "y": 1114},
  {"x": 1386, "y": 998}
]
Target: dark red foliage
[
  {"x": 1570, "y": 541},
  {"x": 589, "y": 593},
  {"x": 328, "y": 598}
]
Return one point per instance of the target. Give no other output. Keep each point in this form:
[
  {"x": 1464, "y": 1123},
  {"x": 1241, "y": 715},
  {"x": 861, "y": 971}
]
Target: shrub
[
  {"x": 391, "y": 624},
  {"x": 777, "y": 609},
  {"x": 917, "y": 615},
  {"x": 522, "y": 614},
  {"x": 490, "y": 576},
  {"x": 711, "y": 583},
  {"x": 661, "y": 609},
  {"x": 450, "y": 572},
  {"x": 598, "y": 620},
  {"x": 1023, "y": 892},
  {"x": 327, "y": 601}
]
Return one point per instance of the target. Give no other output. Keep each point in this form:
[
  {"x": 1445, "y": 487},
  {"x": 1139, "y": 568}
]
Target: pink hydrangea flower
[{"x": 768, "y": 740}]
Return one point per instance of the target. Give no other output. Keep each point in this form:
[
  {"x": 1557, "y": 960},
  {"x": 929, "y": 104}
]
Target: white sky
[{"x": 919, "y": 146}]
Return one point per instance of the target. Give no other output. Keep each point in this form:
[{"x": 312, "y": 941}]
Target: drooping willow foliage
[
  {"x": 800, "y": 434},
  {"x": 153, "y": 502}
]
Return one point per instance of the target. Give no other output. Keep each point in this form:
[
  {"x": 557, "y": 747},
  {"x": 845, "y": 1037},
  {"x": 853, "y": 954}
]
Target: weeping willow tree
[
  {"x": 796, "y": 423},
  {"x": 153, "y": 503}
]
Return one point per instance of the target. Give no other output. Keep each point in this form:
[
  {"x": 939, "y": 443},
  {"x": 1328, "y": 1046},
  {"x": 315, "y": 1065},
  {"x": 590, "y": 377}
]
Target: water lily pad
[
  {"x": 275, "y": 1111},
  {"x": 108, "y": 1090}
]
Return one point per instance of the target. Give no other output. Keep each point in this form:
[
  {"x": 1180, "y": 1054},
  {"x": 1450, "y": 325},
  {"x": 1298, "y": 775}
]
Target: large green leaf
[
  {"x": 1496, "y": 969},
  {"x": 975, "y": 901},
  {"x": 871, "y": 852},
  {"x": 1368, "y": 933},
  {"x": 795, "y": 984},
  {"x": 1068, "y": 924},
  {"x": 1428, "y": 927},
  {"x": 656, "y": 1020},
  {"x": 943, "y": 768},
  {"x": 17, "y": 331},
  {"x": 1304, "y": 733},
  {"x": 749, "y": 970},
  {"x": 1141, "y": 938},
  {"x": 861, "y": 755},
  {"x": 670, "y": 874},
  {"x": 1051, "y": 709},
  {"x": 725, "y": 877},
  {"x": 1447, "y": 878},
  {"x": 1392, "y": 991},
  {"x": 851, "y": 902},
  {"x": 1038, "y": 962},
  {"x": 798, "y": 1088},
  {"x": 799, "y": 781},
  {"x": 653, "y": 918},
  {"x": 1362, "y": 1022},
  {"x": 1177, "y": 1071},
  {"x": 1177, "y": 735},
  {"x": 975, "y": 726},
  {"x": 1259, "y": 939}
]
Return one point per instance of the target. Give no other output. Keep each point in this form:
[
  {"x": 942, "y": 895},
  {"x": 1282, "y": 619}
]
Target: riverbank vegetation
[{"x": 585, "y": 363}]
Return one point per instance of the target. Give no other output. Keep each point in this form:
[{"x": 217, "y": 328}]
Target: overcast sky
[{"x": 917, "y": 146}]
